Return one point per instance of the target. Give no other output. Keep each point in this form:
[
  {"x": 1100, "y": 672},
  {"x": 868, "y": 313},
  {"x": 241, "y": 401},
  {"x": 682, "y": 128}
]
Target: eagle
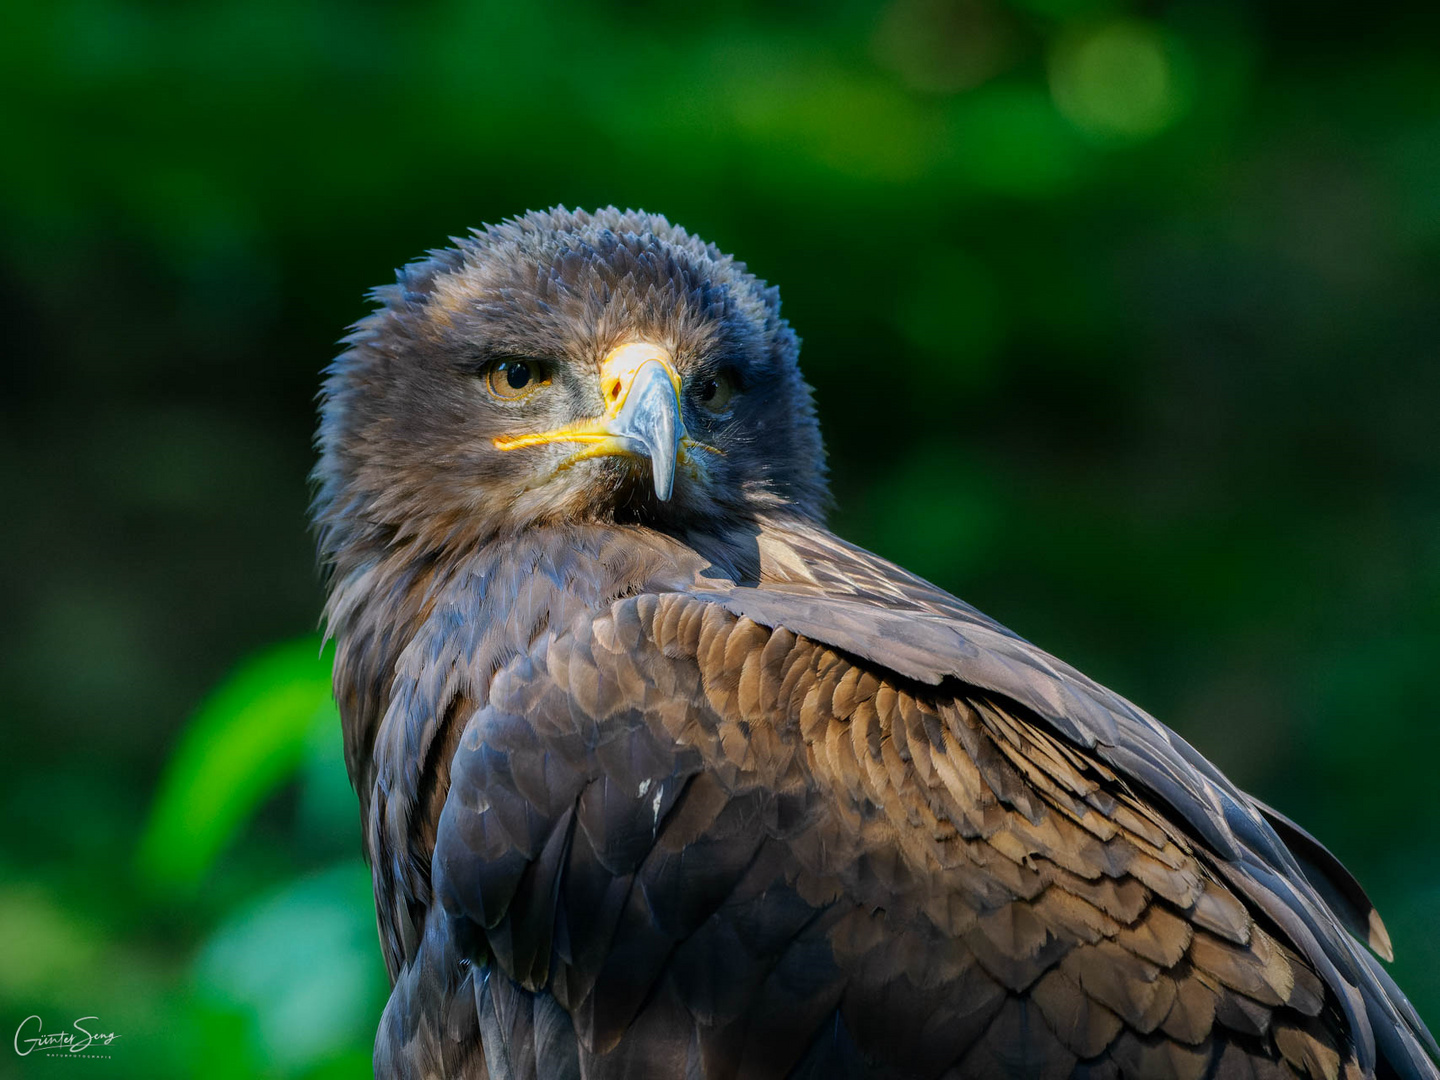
[{"x": 660, "y": 778}]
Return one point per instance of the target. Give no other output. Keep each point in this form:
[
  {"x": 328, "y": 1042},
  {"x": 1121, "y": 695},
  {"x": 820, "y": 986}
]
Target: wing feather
[{"x": 840, "y": 823}]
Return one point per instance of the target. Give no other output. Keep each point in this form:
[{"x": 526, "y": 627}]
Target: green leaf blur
[{"x": 248, "y": 737}]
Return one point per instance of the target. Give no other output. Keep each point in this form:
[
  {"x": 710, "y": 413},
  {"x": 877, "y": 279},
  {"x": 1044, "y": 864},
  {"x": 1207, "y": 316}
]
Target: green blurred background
[{"x": 1122, "y": 321}]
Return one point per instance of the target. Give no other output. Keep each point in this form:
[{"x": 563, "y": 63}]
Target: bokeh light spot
[
  {"x": 43, "y": 947},
  {"x": 944, "y": 46},
  {"x": 1117, "y": 82}
]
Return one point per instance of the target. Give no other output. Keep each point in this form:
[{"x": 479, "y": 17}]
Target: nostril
[{"x": 614, "y": 390}]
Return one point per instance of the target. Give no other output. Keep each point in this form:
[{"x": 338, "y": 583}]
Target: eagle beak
[
  {"x": 647, "y": 422},
  {"x": 641, "y": 419}
]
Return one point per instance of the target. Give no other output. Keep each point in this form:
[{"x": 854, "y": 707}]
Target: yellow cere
[{"x": 618, "y": 369}]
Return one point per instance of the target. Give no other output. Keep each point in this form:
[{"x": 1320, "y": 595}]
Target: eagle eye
[
  {"x": 715, "y": 392},
  {"x": 512, "y": 380}
]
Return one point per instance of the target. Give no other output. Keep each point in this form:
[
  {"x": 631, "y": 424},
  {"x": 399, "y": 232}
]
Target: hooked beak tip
[
  {"x": 650, "y": 424},
  {"x": 664, "y": 481}
]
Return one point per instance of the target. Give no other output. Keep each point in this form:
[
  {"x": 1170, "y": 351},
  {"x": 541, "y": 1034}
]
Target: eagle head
[{"x": 565, "y": 367}]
